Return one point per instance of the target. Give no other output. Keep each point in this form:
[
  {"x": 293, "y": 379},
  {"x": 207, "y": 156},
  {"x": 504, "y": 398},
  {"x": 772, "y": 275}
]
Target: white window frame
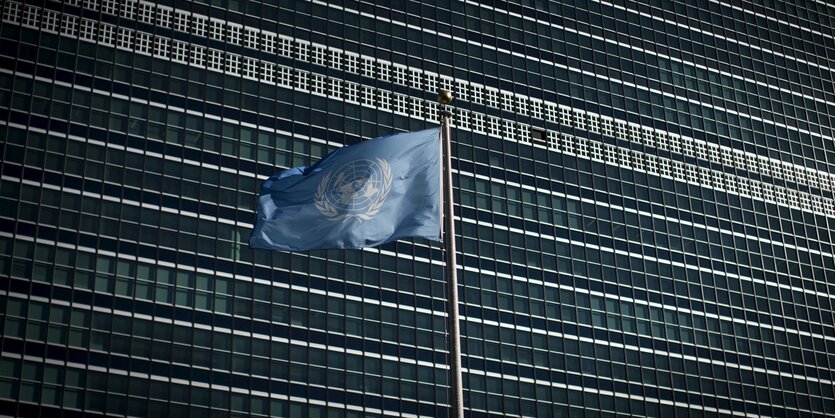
[
  {"x": 214, "y": 59},
  {"x": 144, "y": 43},
  {"x": 285, "y": 46},
  {"x": 179, "y": 51},
  {"x": 251, "y": 38},
  {"x": 124, "y": 38},
  {"x": 268, "y": 72},
  {"x": 51, "y": 21},
  {"x": 352, "y": 62},
  {"x": 182, "y": 20},
  {"x": 351, "y": 92},
  {"x": 145, "y": 12},
  {"x": 31, "y": 17},
  {"x": 163, "y": 17},
  {"x": 197, "y": 55},
  {"x": 199, "y": 25},
  {"x": 269, "y": 42},
  {"x": 12, "y": 12}
]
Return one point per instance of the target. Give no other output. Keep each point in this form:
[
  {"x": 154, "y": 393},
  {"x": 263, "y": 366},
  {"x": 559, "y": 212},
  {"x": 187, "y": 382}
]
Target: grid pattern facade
[{"x": 644, "y": 196}]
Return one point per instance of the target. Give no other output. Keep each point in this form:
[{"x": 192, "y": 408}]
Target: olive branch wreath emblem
[{"x": 332, "y": 212}]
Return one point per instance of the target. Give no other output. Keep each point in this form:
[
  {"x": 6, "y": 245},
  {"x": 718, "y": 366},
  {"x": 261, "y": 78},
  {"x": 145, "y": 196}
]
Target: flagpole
[{"x": 456, "y": 392}]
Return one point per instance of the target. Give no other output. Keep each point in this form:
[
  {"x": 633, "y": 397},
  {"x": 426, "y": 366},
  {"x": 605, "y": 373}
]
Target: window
[
  {"x": 351, "y": 91},
  {"x": 611, "y": 154},
  {"x": 317, "y": 54},
  {"x": 179, "y": 51},
  {"x": 269, "y": 40},
  {"x": 651, "y": 163},
  {"x": 648, "y": 136},
  {"x": 713, "y": 152},
  {"x": 463, "y": 119},
  {"x": 215, "y": 59},
  {"x": 233, "y": 63},
  {"x": 606, "y": 126},
  {"x": 368, "y": 96},
  {"x": 164, "y": 16},
  {"x": 692, "y": 174},
  {"x": 51, "y": 20},
  {"x": 446, "y": 83},
  {"x": 621, "y": 130},
  {"x": 128, "y": 9},
  {"x": 494, "y": 126},
  {"x": 596, "y": 150},
  {"x": 551, "y": 112},
  {"x": 199, "y": 24},
  {"x": 478, "y": 93},
  {"x": 233, "y": 33},
  {"x": 478, "y": 122},
  {"x": 285, "y": 46},
  {"x": 145, "y": 12},
  {"x": 536, "y": 108},
  {"x": 69, "y": 25},
  {"x": 509, "y": 132},
  {"x": 507, "y": 101},
  {"x": 399, "y": 73},
  {"x": 335, "y": 88},
  {"x": 124, "y": 39},
  {"x": 11, "y": 12},
  {"x": 32, "y": 17},
  {"x": 267, "y": 72},
  {"x": 664, "y": 167},
  {"x": 318, "y": 84},
  {"x": 198, "y": 55},
  {"x": 385, "y": 70},
  {"x": 335, "y": 59},
  {"x": 181, "y": 20},
  {"x": 161, "y": 46},
  {"x": 351, "y": 62},
  {"x": 701, "y": 150},
  {"x": 88, "y": 30},
  {"x": 285, "y": 76},
  {"x": 553, "y": 140},
  {"x": 675, "y": 143},
  {"x": 431, "y": 81},
  {"x": 418, "y": 108},
  {"x": 663, "y": 142},
  {"x": 302, "y": 80},
  {"x": 251, "y": 38},
  {"x": 594, "y": 122},
  {"x": 415, "y": 78},
  {"x": 491, "y": 97},
  {"x": 522, "y": 105},
  {"x": 461, "y": 90},
  {"x": 581, "y": 147},
  {"x": 215, "y": 29},
  {"x": 250, "y": 68},
  {"x": 107, "y": 33},
  {"x": 302, "y": 51},
  {"x": 367, "y": 67},
  {"x": 143, "y": 43},
  {"x": 400, "y": 103},
  {"x": 579, "y": 119}
]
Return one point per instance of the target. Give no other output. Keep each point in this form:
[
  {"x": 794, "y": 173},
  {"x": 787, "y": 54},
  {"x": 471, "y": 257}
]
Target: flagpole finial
[{"x": 445, "y": 97}]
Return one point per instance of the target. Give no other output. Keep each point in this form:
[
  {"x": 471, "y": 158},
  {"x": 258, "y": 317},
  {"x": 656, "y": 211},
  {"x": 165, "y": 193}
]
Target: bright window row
[{"x": 367, "y": 66}]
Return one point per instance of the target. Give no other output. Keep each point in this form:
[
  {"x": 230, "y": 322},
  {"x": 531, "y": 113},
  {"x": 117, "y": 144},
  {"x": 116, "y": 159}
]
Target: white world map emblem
[{"x": 355, "y": 190}]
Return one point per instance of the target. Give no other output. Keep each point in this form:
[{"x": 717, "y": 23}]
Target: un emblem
[{"x": 354, "y": 190}]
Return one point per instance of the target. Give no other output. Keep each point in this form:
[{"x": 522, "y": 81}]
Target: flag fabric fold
[{"x": 362, "y": 195}]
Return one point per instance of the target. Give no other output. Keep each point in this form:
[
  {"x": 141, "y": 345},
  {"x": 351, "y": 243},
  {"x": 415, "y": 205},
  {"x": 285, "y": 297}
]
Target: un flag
[{"x": 362, "y": 195}]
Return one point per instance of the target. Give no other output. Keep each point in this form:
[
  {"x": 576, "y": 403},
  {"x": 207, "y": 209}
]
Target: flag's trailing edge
[{"x": 362, "y": 195}]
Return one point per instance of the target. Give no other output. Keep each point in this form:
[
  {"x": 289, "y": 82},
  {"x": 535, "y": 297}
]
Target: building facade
[{"x": 644, "y": 200}]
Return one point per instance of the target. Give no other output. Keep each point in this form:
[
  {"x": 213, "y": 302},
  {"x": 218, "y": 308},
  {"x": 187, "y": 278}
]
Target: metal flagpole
[{"x": 456, "y": 392}]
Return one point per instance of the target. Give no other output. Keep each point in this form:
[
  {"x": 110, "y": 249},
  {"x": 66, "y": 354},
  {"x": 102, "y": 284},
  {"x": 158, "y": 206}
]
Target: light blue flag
[{"x": 358, "y": 196}]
